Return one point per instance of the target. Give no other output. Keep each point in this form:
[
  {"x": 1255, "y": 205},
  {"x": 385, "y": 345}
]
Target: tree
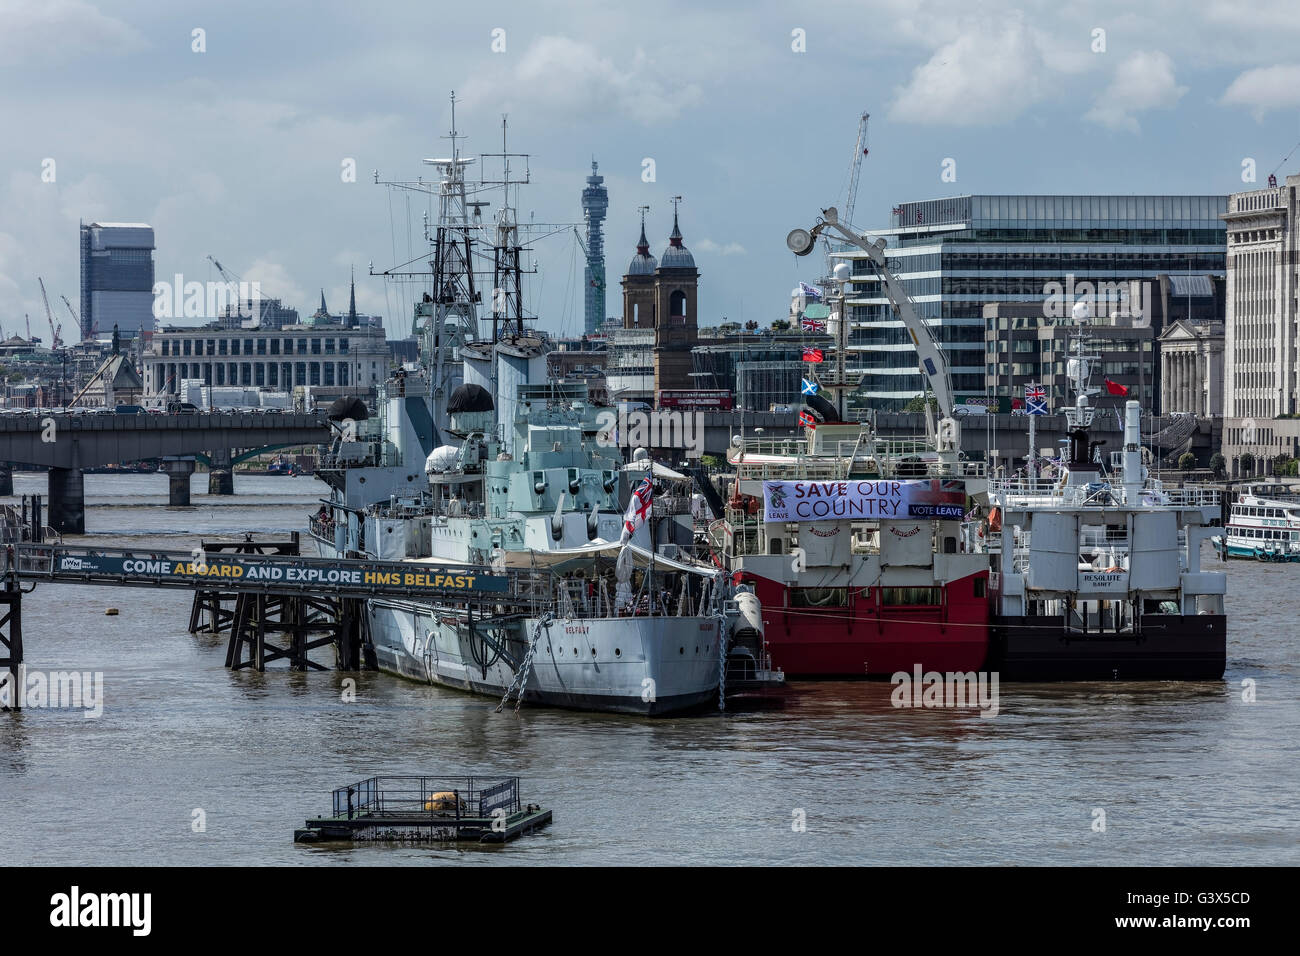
[
  {"x": 918, "y": 403},
  {"x": 1217, "y": 464},
  {"x": 780, "y": 325},
  {"x": 1247, "y": 464},
  {"x": 1186, "y": 461}
]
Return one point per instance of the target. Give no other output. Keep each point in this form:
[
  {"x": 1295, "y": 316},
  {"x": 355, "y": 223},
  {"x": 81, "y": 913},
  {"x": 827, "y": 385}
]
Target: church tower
[
  {"x": 676, "y": 281},
  {"x": 639, "y": 285}
]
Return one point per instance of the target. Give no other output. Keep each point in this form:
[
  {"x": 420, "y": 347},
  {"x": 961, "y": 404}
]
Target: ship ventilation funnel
[
  {"x": 822, "y": 407},
  {"x": 348, "y": 407}
]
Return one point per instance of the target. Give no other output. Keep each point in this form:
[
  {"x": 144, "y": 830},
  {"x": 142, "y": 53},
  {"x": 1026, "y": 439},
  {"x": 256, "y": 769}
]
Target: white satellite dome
[
  {"x": 1080, "y": 312},
  {"x": 842, "y": 271},
  {"x": 441, "y": 459}
]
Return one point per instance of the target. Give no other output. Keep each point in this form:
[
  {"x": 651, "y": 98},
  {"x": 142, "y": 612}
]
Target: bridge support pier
[
  {"x": 178, "y": 479},
  {"x": 221, "y": 477},
  {"x": 6, "y": 479},
  {"x": 221, "y": 482},
  {"x": 67, "y": 501}
]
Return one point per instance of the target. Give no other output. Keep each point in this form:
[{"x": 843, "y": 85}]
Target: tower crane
[
  {"x": 75, "y": 318},
  {"x": 49, "y": 314},
  {"x": 855, "y": 169}
]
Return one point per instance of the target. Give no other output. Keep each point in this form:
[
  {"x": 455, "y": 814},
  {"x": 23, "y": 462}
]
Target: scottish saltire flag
[
  {"x": 812, "y": 325},
  {"x": 811, "y": 292},
  {"x": 1035, "y": 399},
  {"x": 813, "y": 355},
  {"x": 809, "y": 388},
  {"x": 638, "y": 508}
]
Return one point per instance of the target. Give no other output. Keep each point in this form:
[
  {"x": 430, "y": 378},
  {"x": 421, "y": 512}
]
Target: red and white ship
[{"x": 861, "y": 566}]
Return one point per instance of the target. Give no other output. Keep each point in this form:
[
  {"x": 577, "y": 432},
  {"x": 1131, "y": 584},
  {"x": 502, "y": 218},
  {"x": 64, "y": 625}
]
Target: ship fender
[{"x": 748, "y": 622}]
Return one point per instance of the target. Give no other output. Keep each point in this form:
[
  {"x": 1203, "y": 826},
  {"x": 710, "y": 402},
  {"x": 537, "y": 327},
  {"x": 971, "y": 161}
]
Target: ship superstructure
[{"x": 1096, "y": 571}]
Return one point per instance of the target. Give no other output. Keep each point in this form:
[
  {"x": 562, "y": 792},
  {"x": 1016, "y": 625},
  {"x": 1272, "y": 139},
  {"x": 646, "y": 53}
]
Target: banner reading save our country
[{"x": 841, "y": 500}]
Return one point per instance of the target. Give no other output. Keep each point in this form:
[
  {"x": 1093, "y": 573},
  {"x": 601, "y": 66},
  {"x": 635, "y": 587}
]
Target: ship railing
[
  {"x": 1194, "y": 495},
  {"x": 321, "y": 528},
  {"x": 404, "y": 797},
  {"x": 810, "y": 469}
]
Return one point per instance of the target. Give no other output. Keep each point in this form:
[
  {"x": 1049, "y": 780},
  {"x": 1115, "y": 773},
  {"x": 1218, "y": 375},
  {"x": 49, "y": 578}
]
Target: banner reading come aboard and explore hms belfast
[{"x": 847, "y": 500}]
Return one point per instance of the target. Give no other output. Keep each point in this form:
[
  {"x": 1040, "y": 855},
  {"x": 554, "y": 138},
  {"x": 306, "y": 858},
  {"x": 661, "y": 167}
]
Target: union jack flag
[
  {"x": 813, "y": 355},
  {"x": 812, "y": 325},
  {"x": 1035, "y": 399},
  {"x": 638, "y": 507}
]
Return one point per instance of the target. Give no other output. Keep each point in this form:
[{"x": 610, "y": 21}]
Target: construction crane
[
  {"x": 855, "y": 169},
  {"x": 75, "y": 318},
  {"x": 49, "y": 314}
]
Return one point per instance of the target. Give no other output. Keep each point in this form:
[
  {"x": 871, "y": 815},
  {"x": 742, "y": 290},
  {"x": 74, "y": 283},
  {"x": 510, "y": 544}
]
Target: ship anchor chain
[{"x": 521, "y": 676}]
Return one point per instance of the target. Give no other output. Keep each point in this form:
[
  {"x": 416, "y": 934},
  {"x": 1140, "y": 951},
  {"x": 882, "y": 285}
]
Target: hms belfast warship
[{"x": 475, "y": 460}]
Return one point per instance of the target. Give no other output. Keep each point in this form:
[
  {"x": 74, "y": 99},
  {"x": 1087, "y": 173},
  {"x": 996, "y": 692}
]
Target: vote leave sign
[{"x": 862, "y": 500}]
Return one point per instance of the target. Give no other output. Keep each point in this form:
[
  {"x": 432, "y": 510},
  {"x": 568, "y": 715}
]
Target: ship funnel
[{"x": 1132, "y": 452}]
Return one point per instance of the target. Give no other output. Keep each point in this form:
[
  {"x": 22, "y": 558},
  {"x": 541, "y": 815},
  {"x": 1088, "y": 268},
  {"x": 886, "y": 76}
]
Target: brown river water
[{"x": 1185, "y": 773}]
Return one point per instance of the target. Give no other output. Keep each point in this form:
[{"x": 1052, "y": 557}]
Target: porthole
[
  {"x": 575, "y": 652},
  {"x": 681, "y": 650},
  {"x": 617, "y": 652},
  {"x": 593, "y": 652}
]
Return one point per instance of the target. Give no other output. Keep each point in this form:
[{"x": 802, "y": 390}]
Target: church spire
[
  {"x": 643, "y": 244},
  {"x": 352, "y": 299}
]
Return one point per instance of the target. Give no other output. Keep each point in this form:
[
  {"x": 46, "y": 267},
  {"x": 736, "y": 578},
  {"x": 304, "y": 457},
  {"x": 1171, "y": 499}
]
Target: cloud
[
  {"x": 708, "y": 245},
  {"x": 982, "y": 76},
  {"x": 560, "y": 75},
  {"x": 1144, "y": 81},
  {"x": 1265, "y": 88},
  {"x": 60, "y": 30}
]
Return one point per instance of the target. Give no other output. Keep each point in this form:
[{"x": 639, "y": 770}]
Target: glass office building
[
  {"x": 957, "y": 255},
  {"x": 116, "y": 277}
]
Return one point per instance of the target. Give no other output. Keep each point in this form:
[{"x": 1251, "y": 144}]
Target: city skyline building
[
  {"x": 117, "y": 277},
  {"x": 954, "y": 256}
]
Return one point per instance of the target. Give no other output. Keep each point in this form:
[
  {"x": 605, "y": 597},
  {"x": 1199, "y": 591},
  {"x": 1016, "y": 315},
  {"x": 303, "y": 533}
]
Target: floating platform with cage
[{"x": 427, "y": 810}]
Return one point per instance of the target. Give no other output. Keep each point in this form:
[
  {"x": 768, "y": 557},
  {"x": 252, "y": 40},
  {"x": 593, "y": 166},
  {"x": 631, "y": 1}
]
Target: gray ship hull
[{"x": 631, "y": 665}]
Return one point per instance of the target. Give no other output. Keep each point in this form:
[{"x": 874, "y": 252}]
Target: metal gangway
[{"x": 311, "y": 602}]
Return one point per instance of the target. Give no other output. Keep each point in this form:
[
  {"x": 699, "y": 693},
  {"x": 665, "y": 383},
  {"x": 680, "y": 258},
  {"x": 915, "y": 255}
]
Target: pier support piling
[
  {"x": 6, "y": 479},
  {"x": 67, "y": 501},
  {"x": 11, "y": 637}
]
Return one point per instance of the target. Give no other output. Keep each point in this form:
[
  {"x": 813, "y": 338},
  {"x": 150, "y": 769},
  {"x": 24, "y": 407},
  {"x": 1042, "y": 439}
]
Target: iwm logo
[
  {"x": 206, "y": 300},
  {"x": 1131, "y": 300},
  {"x": 641, "y": 428}
]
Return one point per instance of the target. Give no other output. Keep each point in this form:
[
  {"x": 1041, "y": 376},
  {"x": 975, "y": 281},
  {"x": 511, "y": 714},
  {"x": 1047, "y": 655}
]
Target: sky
[{"x": 749, "y": 113}]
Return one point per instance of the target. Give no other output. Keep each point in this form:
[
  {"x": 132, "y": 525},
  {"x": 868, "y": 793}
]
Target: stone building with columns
[
  {"x": 1262, "y": 327},
  {"x": 1191, "y": 369}
]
